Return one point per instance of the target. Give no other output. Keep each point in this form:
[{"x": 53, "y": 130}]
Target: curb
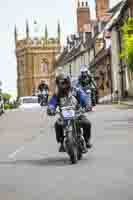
[{"x": 126, "y": 104}]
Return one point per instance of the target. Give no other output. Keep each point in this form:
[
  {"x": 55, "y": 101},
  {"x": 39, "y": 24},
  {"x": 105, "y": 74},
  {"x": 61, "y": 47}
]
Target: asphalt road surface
[{"x": 31, "y": 168}]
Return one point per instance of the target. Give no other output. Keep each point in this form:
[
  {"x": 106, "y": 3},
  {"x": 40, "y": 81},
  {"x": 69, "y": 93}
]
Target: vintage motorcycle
[
  {"x": 84, "y": 94},
  {"x": 74, "y": 142},
  {"x": 87, "y": 94}
]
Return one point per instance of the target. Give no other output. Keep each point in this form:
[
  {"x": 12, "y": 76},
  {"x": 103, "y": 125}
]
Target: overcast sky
[{"x": 43, "y": 11}]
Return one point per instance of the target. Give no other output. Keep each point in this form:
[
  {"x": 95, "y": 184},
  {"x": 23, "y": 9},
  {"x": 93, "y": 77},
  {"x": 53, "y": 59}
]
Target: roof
[
  {"x": 99, "y": 56},
  {"x": 115, "y": 8},
  {"x": 117, "y": 15},
  {"x": 75, "y": 51},
  {"x": 67, "y": 55}
]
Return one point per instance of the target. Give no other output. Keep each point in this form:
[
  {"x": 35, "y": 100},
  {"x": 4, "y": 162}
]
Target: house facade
[{"x": 99, "y": 48}]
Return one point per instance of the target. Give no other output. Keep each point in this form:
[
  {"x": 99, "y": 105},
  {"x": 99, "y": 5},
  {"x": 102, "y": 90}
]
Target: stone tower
[
  {"x": 36, "y": 59},
  {"x": 83, "y": 17},
  {"x": 102, "y": 6}
]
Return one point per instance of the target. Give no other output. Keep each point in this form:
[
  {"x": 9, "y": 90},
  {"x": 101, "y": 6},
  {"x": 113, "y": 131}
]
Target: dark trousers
[
  {"x": 40, "y": 98},
  {"x": 84, "y": 123}
]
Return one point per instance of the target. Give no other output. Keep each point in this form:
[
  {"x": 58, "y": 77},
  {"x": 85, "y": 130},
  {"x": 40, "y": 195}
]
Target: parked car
[
  {"x": 29, "y": 102},
  {"x": 1, "y": 105}
]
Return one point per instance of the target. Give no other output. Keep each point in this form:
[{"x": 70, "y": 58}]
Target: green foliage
[
  {"x": 6, "y": 97},
  {"x": 127, "y": 53},
  {"x": 9, "y": 106}
]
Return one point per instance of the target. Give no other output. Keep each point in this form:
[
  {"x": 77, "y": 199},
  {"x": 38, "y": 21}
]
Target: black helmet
[{"x": 63, "y": 83}]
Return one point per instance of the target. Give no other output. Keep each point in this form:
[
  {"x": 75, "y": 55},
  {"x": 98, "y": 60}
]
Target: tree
[
  {"x": 127, "y": 52},
  {"x": 6, "y": 97}
]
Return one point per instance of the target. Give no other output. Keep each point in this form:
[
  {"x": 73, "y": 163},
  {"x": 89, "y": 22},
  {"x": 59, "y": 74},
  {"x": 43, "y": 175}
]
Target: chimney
[
  {"x": 83, "y": 16},
  {"x": 130, "y": 5},
  {"x": 78, "y": 4},
  {"x": 102, "y": 7}
]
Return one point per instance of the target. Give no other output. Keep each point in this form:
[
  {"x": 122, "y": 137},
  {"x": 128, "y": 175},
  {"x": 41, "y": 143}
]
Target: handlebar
[{"x": 78, "y": 111}]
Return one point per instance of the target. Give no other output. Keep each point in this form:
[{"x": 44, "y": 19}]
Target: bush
[{"x": 9, "y": 106}]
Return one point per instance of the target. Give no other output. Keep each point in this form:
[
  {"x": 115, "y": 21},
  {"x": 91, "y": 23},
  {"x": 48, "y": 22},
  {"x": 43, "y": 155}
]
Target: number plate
[{"x": 68, "y": 114}]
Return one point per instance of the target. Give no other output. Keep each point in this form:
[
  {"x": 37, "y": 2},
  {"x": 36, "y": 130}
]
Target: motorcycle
[
  {"x": 74, "y": 142},
  {"x": 85, "y": 98}
]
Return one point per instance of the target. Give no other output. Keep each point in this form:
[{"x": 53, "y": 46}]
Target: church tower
[
  {"x": 83, "y": 17},
  {"x": 102, "y": 7},
  {"x": 36, "y": 59}
]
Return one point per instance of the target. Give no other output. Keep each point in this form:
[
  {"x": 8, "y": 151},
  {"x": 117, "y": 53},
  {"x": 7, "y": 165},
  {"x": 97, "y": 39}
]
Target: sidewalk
[{"x": 128, "y": 102}]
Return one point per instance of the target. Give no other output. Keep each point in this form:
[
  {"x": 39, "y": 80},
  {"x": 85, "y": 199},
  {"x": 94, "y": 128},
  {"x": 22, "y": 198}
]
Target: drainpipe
[
  {"x": 121, "y": 64},
  {"x": 111, "y": 81},
  {"x": 70, "y": 70}
]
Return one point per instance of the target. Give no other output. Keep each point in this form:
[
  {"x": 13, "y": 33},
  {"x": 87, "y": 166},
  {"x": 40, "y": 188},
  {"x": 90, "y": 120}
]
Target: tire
[
  {"x": 72, "y": 149},
  {"x": 74, "y": 155},
  {"x": 79, "y": 155}
]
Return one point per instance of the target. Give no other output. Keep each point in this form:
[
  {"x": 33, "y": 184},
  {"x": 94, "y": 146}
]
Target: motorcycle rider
[
  {"x": 43, "y": 86},
  {"x": 64, "y": 97},
  {"x": 85, "y": 80}
]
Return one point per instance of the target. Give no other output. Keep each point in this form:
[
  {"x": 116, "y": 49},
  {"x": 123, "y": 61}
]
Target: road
[{"x": 32, "y": 169}]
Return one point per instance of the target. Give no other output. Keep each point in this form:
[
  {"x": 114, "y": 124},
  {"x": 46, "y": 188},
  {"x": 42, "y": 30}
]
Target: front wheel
[
  {"x": 79, "y": 155},
  {"x": 74, "y": 155},
  {"x": 72, "y": 148}
]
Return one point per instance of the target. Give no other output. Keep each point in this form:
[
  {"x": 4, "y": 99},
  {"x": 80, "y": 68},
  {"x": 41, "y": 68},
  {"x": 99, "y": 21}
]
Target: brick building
[
  {"x": 102, "y": 7},
  {"x": 83, "y": 17}
]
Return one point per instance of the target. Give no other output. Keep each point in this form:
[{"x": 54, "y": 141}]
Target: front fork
[{"x": 80, "y": 138}]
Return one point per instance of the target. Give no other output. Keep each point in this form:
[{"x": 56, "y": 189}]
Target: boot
[
  {"x": 62, "y": 149},
  {"x": 88, "y": 144},
  {"x": 84, "y": 147}
]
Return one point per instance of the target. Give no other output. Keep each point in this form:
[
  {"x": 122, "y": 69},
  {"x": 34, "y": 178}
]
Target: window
[
  {"x": 21, "y": 65},
  {"x": 30, "y": 100},
  {"x": 44, "y": 65}
]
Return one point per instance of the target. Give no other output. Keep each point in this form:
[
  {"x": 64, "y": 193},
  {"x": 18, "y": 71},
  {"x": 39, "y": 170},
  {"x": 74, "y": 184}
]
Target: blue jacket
[{"x": 81, "y": 96}]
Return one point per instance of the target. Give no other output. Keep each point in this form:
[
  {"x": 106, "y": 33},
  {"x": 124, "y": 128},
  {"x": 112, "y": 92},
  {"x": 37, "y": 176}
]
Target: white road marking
[{"x": 12, "y": 155}]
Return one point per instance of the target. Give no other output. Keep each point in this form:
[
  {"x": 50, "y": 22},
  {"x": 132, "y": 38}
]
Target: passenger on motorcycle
[
  {"x": 64, "y": 97},
  {"x": 86, "y": 81},
  {"x": 43, "y": 87}
]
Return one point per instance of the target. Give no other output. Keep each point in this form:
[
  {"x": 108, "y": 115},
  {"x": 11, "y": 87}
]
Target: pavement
[
  {"x": 31, "y": 168},
  {"x": 127, "y": 102}
]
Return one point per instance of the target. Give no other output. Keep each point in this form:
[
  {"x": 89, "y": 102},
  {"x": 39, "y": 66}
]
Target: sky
[{"x": 44, "y": 12}]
